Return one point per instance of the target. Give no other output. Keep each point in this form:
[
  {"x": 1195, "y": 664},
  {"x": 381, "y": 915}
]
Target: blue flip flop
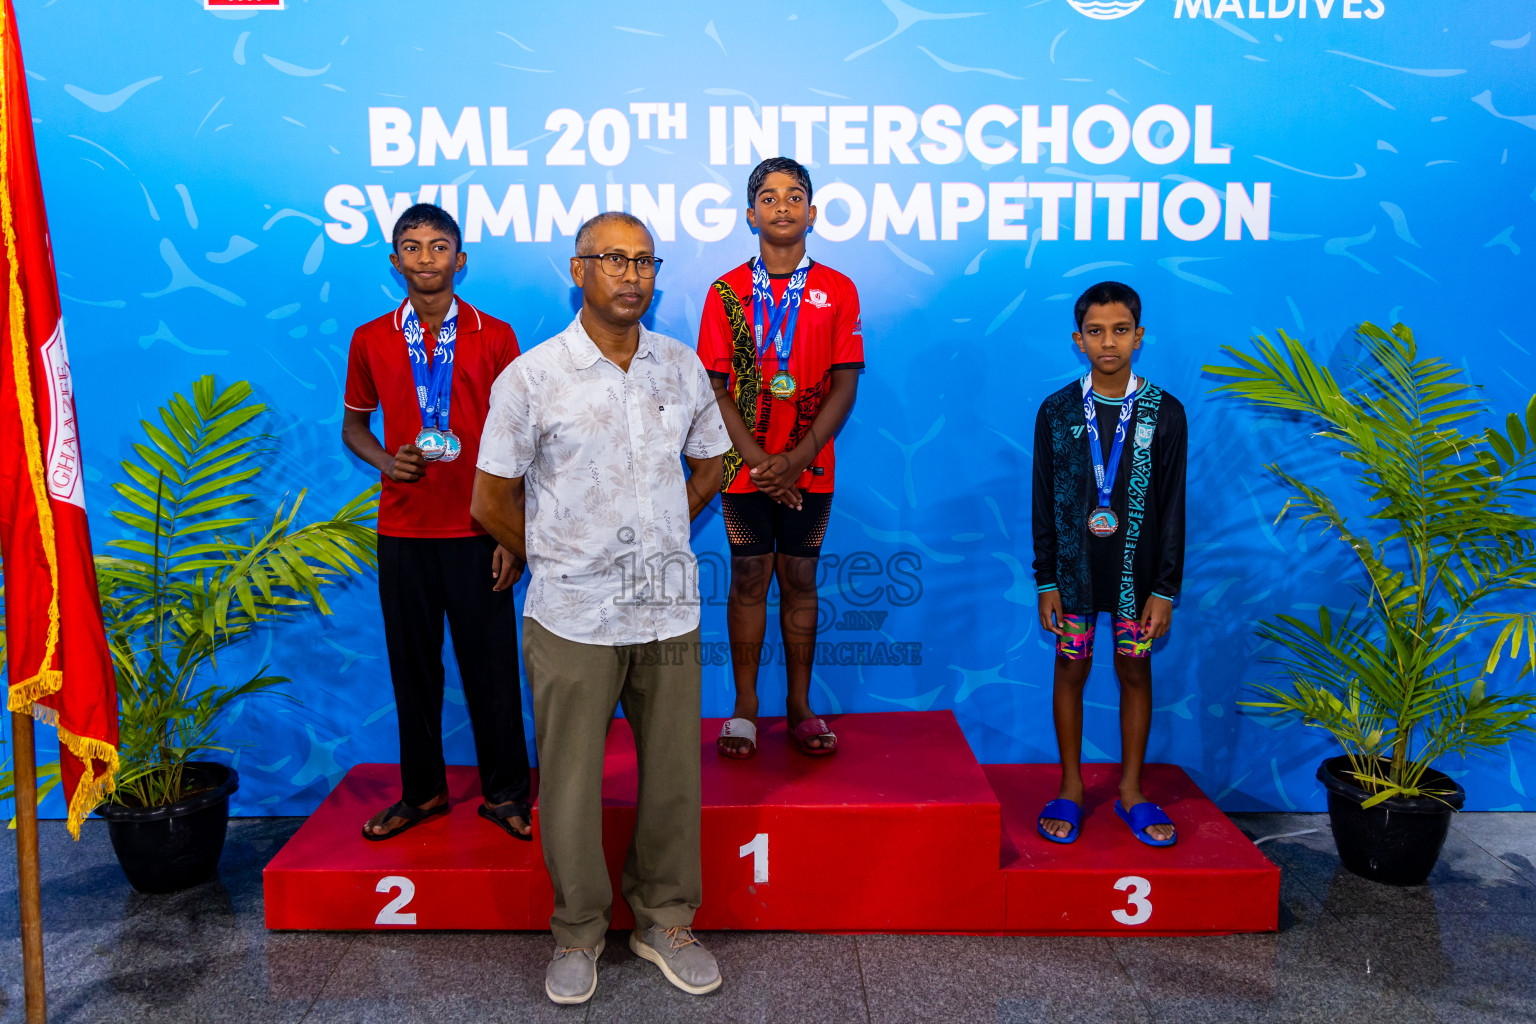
[
  {"x": 1060, "y": 810},
  {"x": 1143, "y": 816}
]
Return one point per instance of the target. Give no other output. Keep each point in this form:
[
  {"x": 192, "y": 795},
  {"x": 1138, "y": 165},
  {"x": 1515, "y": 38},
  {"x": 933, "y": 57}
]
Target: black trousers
[{"x": 420, "y": 580}]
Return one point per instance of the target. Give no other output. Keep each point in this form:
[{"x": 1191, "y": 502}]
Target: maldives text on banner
[{"x": 60, "y": 668}]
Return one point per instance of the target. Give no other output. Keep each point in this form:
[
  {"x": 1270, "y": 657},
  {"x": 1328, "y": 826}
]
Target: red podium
[{"x": 901, "y": 831}]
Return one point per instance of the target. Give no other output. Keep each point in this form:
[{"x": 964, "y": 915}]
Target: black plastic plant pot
[
  {"x": 170, "y": 848},
  {"x": 1397, "y": 841}
]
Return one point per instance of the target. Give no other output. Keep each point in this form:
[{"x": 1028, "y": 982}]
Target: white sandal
[{"x": 737, "y": 729}]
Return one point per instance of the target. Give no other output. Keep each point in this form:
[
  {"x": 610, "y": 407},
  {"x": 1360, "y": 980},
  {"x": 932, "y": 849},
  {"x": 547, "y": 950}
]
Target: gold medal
[{"x": 782, "y": 385}]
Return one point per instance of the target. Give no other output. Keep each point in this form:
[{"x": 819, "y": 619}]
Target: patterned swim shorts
[{"x": 1076, "y": 643}]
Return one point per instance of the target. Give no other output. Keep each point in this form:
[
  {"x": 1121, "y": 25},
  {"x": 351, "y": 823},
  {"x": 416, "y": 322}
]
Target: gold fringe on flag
[{"x": 93, "y": 787}]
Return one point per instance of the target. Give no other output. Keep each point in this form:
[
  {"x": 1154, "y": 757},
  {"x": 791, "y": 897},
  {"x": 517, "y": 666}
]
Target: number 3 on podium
[{"x": 1136, "y": 899}]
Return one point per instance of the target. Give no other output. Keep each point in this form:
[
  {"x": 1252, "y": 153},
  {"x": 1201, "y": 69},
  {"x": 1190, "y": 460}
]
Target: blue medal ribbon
[
  {"x": 434, "y": 380},
  {"x": 1104, "y": 478},
  {"x": 776, "y": 324}
]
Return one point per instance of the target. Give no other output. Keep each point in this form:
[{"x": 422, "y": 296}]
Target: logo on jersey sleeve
[{"x": 858, "y": 327}]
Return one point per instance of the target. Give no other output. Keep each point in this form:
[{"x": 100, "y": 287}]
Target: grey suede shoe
[
  {"x": 572, "y": 974},
  {"x": 681, "y": 957}
]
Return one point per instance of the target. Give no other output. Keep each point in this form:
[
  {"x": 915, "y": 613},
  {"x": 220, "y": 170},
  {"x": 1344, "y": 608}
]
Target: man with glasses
[{"x": 580, "y": 474}]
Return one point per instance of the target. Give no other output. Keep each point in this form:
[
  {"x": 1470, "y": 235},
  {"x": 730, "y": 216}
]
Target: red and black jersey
[
  {"x": 379, "y": 377},
  {"x": 828, "y": 336}
]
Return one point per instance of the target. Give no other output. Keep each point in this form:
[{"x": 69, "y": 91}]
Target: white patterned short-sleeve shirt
[{"x": 599, "y": 451}]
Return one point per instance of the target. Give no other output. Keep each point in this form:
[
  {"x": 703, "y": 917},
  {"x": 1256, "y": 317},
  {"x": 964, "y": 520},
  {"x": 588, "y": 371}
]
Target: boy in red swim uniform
[{"x": 782, "y": 342}]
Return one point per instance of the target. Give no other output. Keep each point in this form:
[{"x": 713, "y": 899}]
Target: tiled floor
[{"x": 1462, "y": 949}]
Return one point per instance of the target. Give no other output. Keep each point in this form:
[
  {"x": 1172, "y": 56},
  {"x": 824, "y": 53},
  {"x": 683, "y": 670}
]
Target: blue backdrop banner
[{"x": 221, "y": 186}]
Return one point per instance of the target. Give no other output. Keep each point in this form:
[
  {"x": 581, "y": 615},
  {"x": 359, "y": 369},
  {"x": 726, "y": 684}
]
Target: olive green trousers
[{"x": 576, "y": 688}]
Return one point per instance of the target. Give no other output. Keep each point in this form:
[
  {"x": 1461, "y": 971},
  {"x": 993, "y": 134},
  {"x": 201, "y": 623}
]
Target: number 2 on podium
[
  {"x": 391, "y": 913},
  {"x": 1136, "y": 899},
  {"x": 758, "y": 849}
]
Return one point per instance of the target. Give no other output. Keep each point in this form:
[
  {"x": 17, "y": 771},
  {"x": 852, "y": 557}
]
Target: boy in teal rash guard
[{"x": 1108, "y": 508}]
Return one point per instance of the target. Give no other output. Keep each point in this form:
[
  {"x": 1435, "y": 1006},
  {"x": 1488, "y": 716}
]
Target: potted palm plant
[
  {"x": 200, "y": 571},
  {"x": 1447, "y": 559}
]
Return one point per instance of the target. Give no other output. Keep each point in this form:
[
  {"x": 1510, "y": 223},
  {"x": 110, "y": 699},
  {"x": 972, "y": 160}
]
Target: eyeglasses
[{"x": 615, "y": 263}]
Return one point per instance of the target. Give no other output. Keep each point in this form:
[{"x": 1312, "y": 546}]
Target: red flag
[{"x": 60, "y": 668}]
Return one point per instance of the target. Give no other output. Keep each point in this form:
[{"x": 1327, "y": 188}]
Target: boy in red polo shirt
[
  {"x": 782, "y": 342},
  {"x": 429, "y": 366}
]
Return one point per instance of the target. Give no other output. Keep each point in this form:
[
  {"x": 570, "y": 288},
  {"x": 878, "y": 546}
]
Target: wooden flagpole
[{"x": 29, "y": 888}]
